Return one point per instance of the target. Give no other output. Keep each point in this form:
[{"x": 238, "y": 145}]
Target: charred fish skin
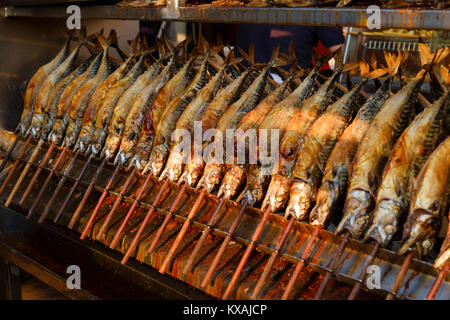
[
  {"x": 107, "y": 105},
  {"x": 416, "y": 142},
  {"x": 35, "y": 83},
  {"x": 213, "y": 172},
  {"x": 336, "y": 173},
  {"x": 235, "y": 174},
  {"x": 81, "y": 99},
  {"x": 64, "y": 104},
  {"x": 314, "y": 150},
  {"x": 222, "y": 101},
  {"x": 169, "y": 117},
  {"x": 278, "y": 190},
  {"x": 40, "y": 111},
  {"x": 372, "y": 154},
  {"x": 58, "y": 90}
]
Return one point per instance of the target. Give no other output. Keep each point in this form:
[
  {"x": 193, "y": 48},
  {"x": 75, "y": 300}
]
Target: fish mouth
[
  {"x": 357, "y": 212},
  {"x": 277, "y": 194},
  {"x": 300, "y": 196},
  {"x": 325, "y": 203},
  {"x": 174, "y": 167},
  {"x": 385, "y": 222}
]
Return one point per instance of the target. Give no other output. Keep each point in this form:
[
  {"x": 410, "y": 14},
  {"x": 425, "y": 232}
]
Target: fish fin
[
  {"x": 292, "y": 57},
  {"x": 135, "y": 42},
  {"x": 373, "y": 61},
  {"x": 445, "y": 75},
  {"x": 376, "y": 74},
  {"x": 348, "y": 67},
  {"x": 114, "y": 42},
  {"x": 364, "y": 69},
  {"x": 393, "y": 62},
  {"x": 102, "y": 41},
  {"x": 249, "y": 57},
  {"x": 324, "y": 58}
]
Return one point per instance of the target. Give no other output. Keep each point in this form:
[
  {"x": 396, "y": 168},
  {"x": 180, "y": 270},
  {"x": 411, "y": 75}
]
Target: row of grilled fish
[{"x": 329, "y": 150}]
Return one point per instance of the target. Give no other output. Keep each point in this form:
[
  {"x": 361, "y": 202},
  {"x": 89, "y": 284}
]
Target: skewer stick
[
  {"x": 15, "y": 165},
  {"x": 225, "y": 243},
  {"x": 138, "y": 198},
  {"x": 183, "y": 231},
  {"x": 72, "y": 190},
  {"x": 400, "y": 275},
  {"x": 99, "y": 202},
  {"x": 299, "y": 267},
  {"x": 145, "y": 222},
  {"x": 10, "y": 151},
  {"x": 272, "y": 259},
  {"x": 438, "y": 282},
  {"x": 248, "y": 251},
  {"x": 24, "y": 172},
  {"x": 362, "y": 275},
  {"x": 58, "y": 188},
  {"x": 36, "y": 174},
  {"x": 167, "y": 219},
  {"x": 116, "y": 204},
  {"x": 86, "y": 195},
  {"x": 333, "y": 266},
  {"x": 209, "y": 226}
]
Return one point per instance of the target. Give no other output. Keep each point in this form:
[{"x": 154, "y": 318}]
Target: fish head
[
  {"x": 175, "y": 165},
  {"x": 56, "y": 135},
  {"x": 300, "y": 197},
  {"x": 97, "y": 141},
  {"x": 278, "y": 193},
  {"x": 192, "y": 173},
  {"x": 84, "y": 139},
  {"x": 36, "y": 125},
  {"x": 157, "y": 159},
  {"x": 422, "y": 235},
  {"x": 358, "y": 207},
  {"x": 126, "y": 151},
  {"x": 232, "y": 180},
  {"x": 111, "y": 145},
  {"x": 212, "y": 175},
  {"x": 71, "y": 134},
  {"x": 385, "y": 222},
  {"x": 47, "y": 127},
  {"x": 325, "y": 203}
]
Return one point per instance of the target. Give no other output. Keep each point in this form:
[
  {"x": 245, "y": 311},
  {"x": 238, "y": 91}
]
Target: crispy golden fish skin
[
  {"x": 278, "y": 191},
  {"x": 61, "y": 120},
  {"x": 372, "y": 155},
  {"x": 277, "y": 119},
  {"x": 58, "y": 90},
  {"x": 415, "y": 143},
  {"x": 222, "y": 101},
  {"x": 314, "y": 150},
  {"x": 213, "y": 171},
  {"x": 35, "y": 83},
  {"x": 444, "y": 254},
  {"x": 169, "y": 84},
  {"x": 235, "y": 173},
  {"x": 170, "y": 116},
  {"x": 107, "y": 105},
  {"x": 40, "y": 111},
  {"x": 336, "y": 173},
  {"x": 177, "y": 158}
]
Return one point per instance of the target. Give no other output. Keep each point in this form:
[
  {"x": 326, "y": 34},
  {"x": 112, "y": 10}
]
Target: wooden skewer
[
  {"x": 183, "y": 231},
  {"x": 24, "y": 172},
  {"x": 401, "y": 275},
  {"x": 10, "y": 151},
  {"x": 299, "y": 267},
  {"x": 224, "y": 244},
  {"x": 438, "y": 282},
  {"x": 36, "y": 174},
  {"x": 145, "y": 222}
]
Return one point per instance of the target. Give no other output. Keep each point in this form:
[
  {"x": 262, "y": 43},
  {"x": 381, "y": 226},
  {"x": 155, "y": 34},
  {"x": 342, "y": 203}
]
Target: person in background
[{"x": 304, "y": 38}]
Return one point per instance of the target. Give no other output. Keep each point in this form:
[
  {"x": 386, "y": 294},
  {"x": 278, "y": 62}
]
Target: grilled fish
[
  {"x": 444, "y": 254},
  {"x": 409, "y": 152},
  {"x": 35, "y": 83},
  {"x": 337, "y": 168},
  {"x": 169, "y": 118},
  {"x": 47, "y": 85}
]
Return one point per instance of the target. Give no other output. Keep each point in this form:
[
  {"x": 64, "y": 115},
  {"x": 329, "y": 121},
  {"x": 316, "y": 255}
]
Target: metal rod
[
  {"x": 72, "y": 190},
  {"x": 10, "y": 151},
  {"x": 209, "y": 226},
  {"x": 86, "y": 195},
  {"x": 273, "y": 258},
  {"x": 167, "y": 219},
  {"x": 15, "y": 165},
  {"x": 24, "y": 173},
  {"x": 333, "y": 266},
  {"x": 182, "y": 232},
  {"x": 225, "y": 243},
  {"x": 116, "y": 204},
  {"x": 400, "y": 275},
  {"x": 248, "y": 251},
  {"x": 99, "y": 202},
  {"x": 138, "y": 198},
  {"x": 438, "y": 282},
  {"x": 362, "y": 275},
  {"x": 58, "y": 188},
  {"x": 47, "y": 181},
  {"x": 37, "y": 173},
  {"x": 299, "y": 267},
  {"x": 144, "y": 223}
]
